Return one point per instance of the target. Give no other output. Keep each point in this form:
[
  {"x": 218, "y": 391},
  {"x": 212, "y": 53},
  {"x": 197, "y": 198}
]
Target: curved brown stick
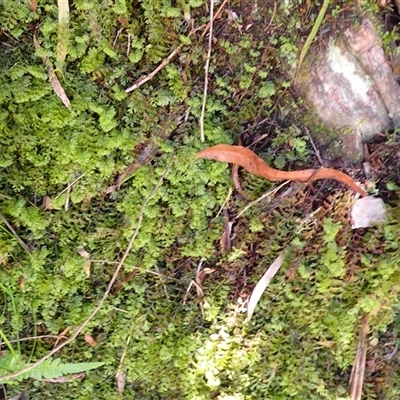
[{"x": 251, "y": 162}]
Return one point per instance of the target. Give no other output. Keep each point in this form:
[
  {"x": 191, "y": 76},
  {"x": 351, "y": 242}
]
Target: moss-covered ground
[{"x": 110, "y": 190}]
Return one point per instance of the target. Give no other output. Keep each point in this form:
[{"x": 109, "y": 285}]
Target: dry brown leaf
[
  {"x": 55, "y": 83},
  {"x": 326, "y": 343},
  {"x": 225, "y": 241},
  {"x": 58, "y": 89},
  {"x": 21, "y": 281},
  {"x": 19, "y": 396},
  {"x": 262, "y": 284},
  {"x": 236, "y": 181},
  {"x": 251, "y": 162},
  {"x": 32, "y": 5},
  {"x": 89, "y": 340},
  {"x": 201, "y": 275},
  {"x": 47, "y": 204}
]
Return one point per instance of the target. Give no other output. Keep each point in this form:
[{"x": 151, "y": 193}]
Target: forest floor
[{"x": 126, "y": 263}]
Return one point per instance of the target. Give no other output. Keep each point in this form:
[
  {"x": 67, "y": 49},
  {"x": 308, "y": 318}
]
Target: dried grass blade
[
  {"x": 312, "y": 34},
  {"x": 358, "y": 370},
  {"x": 263, "y": 284},
  {"x": 63, "y": 32}
]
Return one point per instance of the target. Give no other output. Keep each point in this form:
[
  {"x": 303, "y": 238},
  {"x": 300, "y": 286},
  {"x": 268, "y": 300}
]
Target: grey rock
[
  {"x": 350, "y": 87},
  {"x": 368, "y": 211}
]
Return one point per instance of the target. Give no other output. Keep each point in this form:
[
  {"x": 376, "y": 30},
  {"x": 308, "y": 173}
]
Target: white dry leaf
[
  {"x": 263, "y": 284},
  {"x": 83, "y": 253},
  {"x": 121, "y": 378}
]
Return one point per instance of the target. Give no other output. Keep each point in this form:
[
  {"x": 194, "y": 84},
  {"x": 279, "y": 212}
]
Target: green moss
[{"x": 301, "y": 341}]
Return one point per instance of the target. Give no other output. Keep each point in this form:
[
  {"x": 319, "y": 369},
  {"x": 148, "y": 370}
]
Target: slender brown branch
[
  {"x": 12, "y": 230},
  {"x": 207, "y": 66},
  {"x": 69, "y": 185},
  {"x": 37, "y": 337},
  {"x": 270, "y": 193},
  {"x": 166, "y": 61},
  {"x": 314, "y": 147},
  {"x": 215, "y": 16}
]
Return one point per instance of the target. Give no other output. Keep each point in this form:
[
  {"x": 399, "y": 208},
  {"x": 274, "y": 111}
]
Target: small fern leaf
[
  {"x": 49, "y": 369},
  {"x": 54, "y": 368},
  {"x": 74, "y": 368}
]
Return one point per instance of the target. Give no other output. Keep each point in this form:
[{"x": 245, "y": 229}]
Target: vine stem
[{"x": 106, "y": 293}]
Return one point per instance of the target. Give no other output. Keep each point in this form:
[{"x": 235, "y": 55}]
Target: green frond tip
[{"x": 48, "y": 369}]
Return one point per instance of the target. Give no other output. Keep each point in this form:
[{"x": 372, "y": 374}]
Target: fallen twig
[
  {"x": 149, "y": 151},
  {"x": 121, "y": 371},
  {"x": 37, "y": 337},
  {"x": 203, "y": 107},
  {"x": 197, "y": 283},
  {"x": 65, "y": 379},
  {"x": 69, "y": 186},
  {"x": 314, "y": 147},
  {"x": 215, "y": 16},
  {"x": 12, "y": 230},
  {"x": 165, "y": 62},
  {"x": 228, "y": 196},
  {"x": 272, "y": 18},
  {"x": 266, "y": 194}
]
